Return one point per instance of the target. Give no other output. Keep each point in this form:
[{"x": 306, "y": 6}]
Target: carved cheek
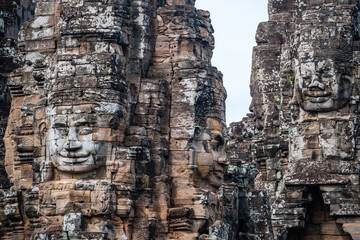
[
  {"x": 88, "y": 144},
  {"x": 300, "y": 83},
  {"x": 328, "y": 82},
  {"x": 335, "y": 88},
  {"x": 59, "y": 144},
  {"x": 307, "y": 80},
  {"x": 52, "y": 142},
  {"x": 56, "y": 147}
]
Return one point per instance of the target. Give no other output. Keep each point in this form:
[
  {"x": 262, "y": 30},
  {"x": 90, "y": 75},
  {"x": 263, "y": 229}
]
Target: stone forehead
[
  {"x": 73, "y": 119},
  {"x": 76, "y": 95},
  {"x": 101, "y": 108},
  {"x": 325, "y": 65}
]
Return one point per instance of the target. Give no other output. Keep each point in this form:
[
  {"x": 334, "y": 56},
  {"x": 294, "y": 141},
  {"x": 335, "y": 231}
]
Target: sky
[{"x": 235, "y": 23}]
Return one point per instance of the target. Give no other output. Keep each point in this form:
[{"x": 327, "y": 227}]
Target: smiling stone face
[
  {"x": 71, "y": 144},
  {"x": 322, "y": 86},
  {"x": 80, "y": 136}
]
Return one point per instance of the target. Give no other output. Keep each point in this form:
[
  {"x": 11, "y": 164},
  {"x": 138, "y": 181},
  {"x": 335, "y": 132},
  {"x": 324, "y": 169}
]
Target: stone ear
[{"x": 42, "y": 132}]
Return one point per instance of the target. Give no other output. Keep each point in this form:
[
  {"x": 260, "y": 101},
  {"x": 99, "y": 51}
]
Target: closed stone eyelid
[
  {"x": 86, "y": 131},
  {"x": 59, "y": 125},
  {"x": 62, "y": 131},
  {"x": 80, "y": 124}
]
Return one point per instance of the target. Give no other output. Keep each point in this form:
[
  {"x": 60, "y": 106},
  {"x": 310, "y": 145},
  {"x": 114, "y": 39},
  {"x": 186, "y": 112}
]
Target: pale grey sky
[{"x": 235, "y": 23}]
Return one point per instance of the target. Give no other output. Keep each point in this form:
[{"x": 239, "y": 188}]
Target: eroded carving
[
  {"x": 302, "y": 133},
  {"x": 117, "y": 125}
]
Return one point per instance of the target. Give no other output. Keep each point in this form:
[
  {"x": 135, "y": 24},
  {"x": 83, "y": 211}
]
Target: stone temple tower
[
  {"x": 116, "y": 127},
  {"x": 112, "y": 124},
  {"x": 302, "y": 132}
]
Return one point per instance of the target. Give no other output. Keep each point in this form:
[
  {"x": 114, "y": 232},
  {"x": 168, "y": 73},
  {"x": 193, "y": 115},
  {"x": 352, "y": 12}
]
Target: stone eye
[
  {"x": 85, "y": 131},
  {"x": 61, "y": 131},
  {"x": 59, "y": 125}
]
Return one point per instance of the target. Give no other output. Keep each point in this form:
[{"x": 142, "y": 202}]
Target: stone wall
[
  {"x": 117, "y": 123},
  {"x": 302, "y": 133},
  {"x": 12, "y": 15}
]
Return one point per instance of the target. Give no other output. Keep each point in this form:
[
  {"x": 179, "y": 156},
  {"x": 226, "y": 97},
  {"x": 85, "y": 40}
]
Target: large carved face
[
  {"x": 256, "y": 107},
  {"x": 77, "y": 136},
  {"x": 321, "y": 86},
  {"x": 209, "y": 146}
]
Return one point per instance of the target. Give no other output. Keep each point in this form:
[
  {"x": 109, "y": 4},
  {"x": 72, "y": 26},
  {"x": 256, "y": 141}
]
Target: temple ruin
[{"x": 112, "y": 124}]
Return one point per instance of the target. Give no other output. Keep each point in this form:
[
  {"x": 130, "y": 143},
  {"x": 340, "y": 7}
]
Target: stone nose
[
  {"x": 72, "y": 143},
  {"x": 317, "y": 84},
  {"x": 251, "y": 107}
]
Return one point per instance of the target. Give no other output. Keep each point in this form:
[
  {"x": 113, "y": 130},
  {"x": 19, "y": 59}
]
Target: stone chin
[
  {"x": 319, "y": 106},
  {"x": 74, "y": 165},
  {"x": 259, "y": 123},
  {"x": 320, "y": 98}
]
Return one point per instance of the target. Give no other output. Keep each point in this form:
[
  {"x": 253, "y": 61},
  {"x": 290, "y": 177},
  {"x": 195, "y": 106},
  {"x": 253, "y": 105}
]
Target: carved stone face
[
  {"x": 256, "y": 107},
  {"x": 321, "y": 87},
  {"x": 72, "y": 148},
  {"x": 76, "y": 136},
  {"x": 210, "y": 153}
]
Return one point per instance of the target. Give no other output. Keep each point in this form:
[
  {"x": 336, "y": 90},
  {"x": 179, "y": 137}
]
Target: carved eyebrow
[
  {"x": 59, "y": 124},
  {"x": 80, "y": 122},
  {"x": 85, "y": 131}
]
